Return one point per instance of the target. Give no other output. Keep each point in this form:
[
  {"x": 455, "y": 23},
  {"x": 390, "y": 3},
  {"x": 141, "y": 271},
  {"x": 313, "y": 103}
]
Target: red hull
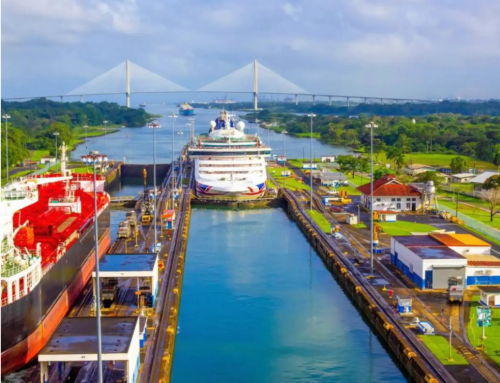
[{"x": 17, "y": 356}]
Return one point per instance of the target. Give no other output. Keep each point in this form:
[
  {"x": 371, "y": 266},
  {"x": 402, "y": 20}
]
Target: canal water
[
  {"x": 135, "y": 145},
  {"x": 258, "y": 305}
]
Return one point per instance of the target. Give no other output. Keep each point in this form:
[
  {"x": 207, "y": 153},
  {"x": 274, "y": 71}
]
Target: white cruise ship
[{"x": 229, "y": 163}]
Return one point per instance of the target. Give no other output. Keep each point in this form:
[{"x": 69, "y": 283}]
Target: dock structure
[
  {"x": 142, "y": 266},
  {"x": 75, "y": 340}
]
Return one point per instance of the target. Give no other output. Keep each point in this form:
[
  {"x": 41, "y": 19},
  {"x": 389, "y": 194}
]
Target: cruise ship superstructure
[{"x": 229, "y": 164}]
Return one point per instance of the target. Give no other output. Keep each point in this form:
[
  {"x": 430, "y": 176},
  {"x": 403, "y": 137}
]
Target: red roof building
[{"x": 390, "y": 194}]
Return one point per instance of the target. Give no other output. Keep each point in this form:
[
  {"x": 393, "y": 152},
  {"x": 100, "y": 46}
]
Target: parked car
[{"x": 337, "y": 209}]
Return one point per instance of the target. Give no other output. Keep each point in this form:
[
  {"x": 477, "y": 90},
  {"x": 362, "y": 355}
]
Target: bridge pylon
[
  {"x": 127, "y": 83},
  {"x": 255, "y": 86}
]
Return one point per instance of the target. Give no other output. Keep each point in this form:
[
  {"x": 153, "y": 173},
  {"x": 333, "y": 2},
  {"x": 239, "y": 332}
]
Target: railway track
[{"x": 435, "y": 368}]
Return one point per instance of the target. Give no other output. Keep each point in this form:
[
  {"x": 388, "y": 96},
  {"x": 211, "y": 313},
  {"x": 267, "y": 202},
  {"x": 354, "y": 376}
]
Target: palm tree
[{"x": 399, "y": 160}]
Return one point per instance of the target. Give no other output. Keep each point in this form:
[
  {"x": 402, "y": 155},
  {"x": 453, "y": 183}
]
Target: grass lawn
[
  {"x": 314, "y": 135},
  {"x": 291, "y": 183},
  {"x": 474, "y": 213},
  {"x": 465, "y": 198},
  {"x": 492, "y": 341},
  {"x": 360, "y": 226},
  {"x": 37, "y": 155},
  {"x": 440, "y": 347},
  {"x": 297, "y": 162},
  {"x": 438, "y": 159},
  {"x": 405, "y": 228},
  {"x": 320, "y": 220},
  {"x": 270, "y": 184},
  {"x": 358, "y": 180},
  {"x": 350, "y": 190},
  {"x": 83, "y": 169}
]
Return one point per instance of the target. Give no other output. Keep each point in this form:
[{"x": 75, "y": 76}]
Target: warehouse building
[{"x": 428, "y": 261}]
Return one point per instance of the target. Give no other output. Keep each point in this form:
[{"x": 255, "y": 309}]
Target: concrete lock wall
[
  {"x": 134, "y": 170},
  {"x": 404, "y": 352}
]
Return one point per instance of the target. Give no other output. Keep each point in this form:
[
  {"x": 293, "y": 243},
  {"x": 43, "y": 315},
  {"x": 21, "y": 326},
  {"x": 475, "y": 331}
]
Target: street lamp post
[
  {"x": 154, "y": 187},
  {"x": 86, "y": 139},
  {"x": 6, "y": 117},
  {"x": 97, "y": 284},
  {"x": 173, "y": 116},
  {"x": 105, "y": 122},
  {"x": 312, "y": 115},
  {"x": 371, "y": 126},
  {"x": 57, "y": 166}
]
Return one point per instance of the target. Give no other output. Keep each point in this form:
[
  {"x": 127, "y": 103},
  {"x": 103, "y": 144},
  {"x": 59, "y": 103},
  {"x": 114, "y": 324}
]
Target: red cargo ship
[{"x": 47, "y": 256}]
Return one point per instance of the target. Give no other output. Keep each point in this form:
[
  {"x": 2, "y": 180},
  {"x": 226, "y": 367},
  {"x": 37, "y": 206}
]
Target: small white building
[
  {"x": 391, "y": 195},
  {"x": 332, "y": 178},
  {"x": 480, "y": 179},
  {"x": 482, "y": 270},
  {"x": 490, "y": 296},
  {"x": 414, "y": 169},
  {"x": 47, "y": 160},
  {"x": 308, "y": 165},
  {"x": 327, "y": 158},
  {"x": 461, "y": 178}
]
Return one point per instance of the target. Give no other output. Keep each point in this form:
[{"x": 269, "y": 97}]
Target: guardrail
[{"x": 472, "y": 223}]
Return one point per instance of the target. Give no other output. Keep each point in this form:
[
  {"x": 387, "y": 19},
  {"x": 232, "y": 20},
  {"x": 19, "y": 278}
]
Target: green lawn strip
[
  {"x": 350, "y": 190},
  {"x": 437, "y": 159},
  {"x": 37, "y": 155},
  {"x": 320, "y": 220},
  {"x": 464, "y": 198},
  {"x": 291, "y": 183},
  {"x": 314, "y": 135},
  {"x": 492, "y": 341},
  {"x": 271, "y": 184},
  {"x": 474, "y": 213},
  {"x": 360, "y": 226},
  {"x": 405, "y": 228},
  {"x": 358, "y": 180},
  {"x": 440, "y": 347}
]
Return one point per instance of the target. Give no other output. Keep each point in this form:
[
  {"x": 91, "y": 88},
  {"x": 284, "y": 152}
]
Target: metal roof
[
  {"x": 442, "y": 252},
  {"x": 481, "y": 178},
  {"x": 459, "y": 240},
  {"x": 79, "y": 336},
  {"x": 127, "y": 262}
]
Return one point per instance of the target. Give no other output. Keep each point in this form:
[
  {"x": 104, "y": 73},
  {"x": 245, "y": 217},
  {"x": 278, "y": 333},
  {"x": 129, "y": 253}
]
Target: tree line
[
  {"x": 32, "y": 123},
  {"x": 474, "y": 136}
]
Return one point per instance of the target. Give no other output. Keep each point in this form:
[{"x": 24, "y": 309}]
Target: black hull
[{"x": 23, "y": 317}]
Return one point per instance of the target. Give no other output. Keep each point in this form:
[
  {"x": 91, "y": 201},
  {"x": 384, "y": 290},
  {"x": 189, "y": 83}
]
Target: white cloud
[
  {"x": 415, "y": 48},
  {"x": 292, "y": 11}
]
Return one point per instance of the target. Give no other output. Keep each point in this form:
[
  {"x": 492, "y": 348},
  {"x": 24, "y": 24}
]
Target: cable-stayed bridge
[{"x": 129, "y": 78}]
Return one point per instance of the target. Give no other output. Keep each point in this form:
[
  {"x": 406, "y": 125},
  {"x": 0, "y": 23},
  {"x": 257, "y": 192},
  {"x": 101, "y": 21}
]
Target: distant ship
[
  {"x": 143, "y": 105},
  {"x": 229, "y": 163},
  {"x": 47, "y": 255},
  {"x": 186, "y": 110},
  {"x": 224, "y": 100},
  {"x": 154, "y": 125},
  {"x": 180, "y": 132}
]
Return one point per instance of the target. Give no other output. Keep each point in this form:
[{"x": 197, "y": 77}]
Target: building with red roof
[{"x": 390, "y": 194}]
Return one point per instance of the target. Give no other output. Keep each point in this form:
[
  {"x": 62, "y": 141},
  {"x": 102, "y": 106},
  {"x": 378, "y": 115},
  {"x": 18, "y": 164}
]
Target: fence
[
  {"x": 474, "y": 193},
  {"x": 474, "y": 224}
]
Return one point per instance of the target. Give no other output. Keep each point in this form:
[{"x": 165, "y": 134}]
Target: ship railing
[
  {"x": 12, "y": 195},
  {"x": 13, "y": 270}
]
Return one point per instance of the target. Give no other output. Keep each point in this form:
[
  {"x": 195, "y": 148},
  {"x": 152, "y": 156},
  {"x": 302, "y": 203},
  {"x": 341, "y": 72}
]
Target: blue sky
[{"x": 387, "y": 48}]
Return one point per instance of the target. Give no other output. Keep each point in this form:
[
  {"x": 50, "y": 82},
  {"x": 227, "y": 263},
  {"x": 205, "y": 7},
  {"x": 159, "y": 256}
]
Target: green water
[{"x": 258, "y": 305}]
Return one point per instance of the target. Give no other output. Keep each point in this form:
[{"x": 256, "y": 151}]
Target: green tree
[
  {"x": 429, "y": 176},
  {"x": 458, "y": 165},
  {"x": 492, "y": 183},
  {"x": 399, "y": 160}
]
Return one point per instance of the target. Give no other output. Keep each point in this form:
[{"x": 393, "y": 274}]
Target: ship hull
[
  {"x": 250, "y": 193},
  {"x": 189, "y": 112},
  {"x": 28, "y": 323}
]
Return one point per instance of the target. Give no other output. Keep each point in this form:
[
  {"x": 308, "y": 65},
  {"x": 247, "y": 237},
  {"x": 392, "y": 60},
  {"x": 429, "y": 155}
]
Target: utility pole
[
  {"x": 154, "y": 187},
  {"x": 255, "y": 86},
  {"x": 371, "y": 126},
  {"x": 451, "y": 334},
  {"x": 56, "y": 134},
  {"x": 86, "y": 139},
  {"x": 127, "y": 83},
  {"x": 173, "y": 116},
  {"x": 311, "y": 115},
  {"x": 6, "y": 117},
  {"x": 97, "y": 280},
  {"x": 105, "y": 122}
]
